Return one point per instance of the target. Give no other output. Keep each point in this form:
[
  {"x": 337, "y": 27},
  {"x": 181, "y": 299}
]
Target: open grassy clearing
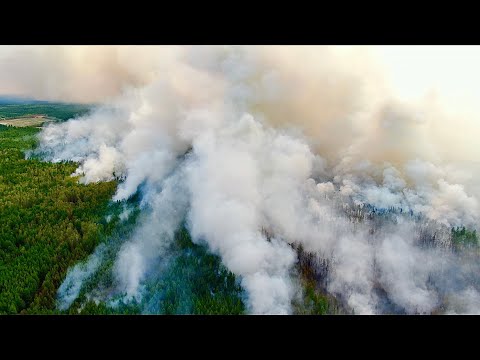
[{"x": 35, "y": 121}]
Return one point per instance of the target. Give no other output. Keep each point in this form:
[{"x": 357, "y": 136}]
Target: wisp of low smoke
[{"x": 263, "y": 149}]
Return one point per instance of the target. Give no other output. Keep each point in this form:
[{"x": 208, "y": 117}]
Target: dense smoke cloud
[
  {"x": 263, "y": 147},
  {"x": 75, "y": 73}
]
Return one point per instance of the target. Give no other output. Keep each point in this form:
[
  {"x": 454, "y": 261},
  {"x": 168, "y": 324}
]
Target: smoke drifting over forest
[{"x": 262, "y": 149}]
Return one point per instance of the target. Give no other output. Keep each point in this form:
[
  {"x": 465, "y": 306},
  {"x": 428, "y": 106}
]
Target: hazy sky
[
  {"x": 415, "y": 70},
  {"x": 412, "y": 70}
]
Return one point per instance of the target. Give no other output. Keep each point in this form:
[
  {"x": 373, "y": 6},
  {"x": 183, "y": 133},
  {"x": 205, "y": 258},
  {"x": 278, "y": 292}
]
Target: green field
[
  {"x": 26, "y": 121},
  {"x": 56, "y": 111}
]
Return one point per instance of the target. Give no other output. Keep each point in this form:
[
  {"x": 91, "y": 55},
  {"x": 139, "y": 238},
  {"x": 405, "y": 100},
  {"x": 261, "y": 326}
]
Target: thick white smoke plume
[{"x": 282, "y": 143}]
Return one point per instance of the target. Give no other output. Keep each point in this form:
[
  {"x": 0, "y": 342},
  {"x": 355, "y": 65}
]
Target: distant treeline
[
  {"x": 59, "y": 111},
  {"x": 13, "y": 99}
]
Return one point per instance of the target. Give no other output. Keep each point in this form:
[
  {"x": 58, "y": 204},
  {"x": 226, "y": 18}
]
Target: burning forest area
[{"x": 239, "y": 180}]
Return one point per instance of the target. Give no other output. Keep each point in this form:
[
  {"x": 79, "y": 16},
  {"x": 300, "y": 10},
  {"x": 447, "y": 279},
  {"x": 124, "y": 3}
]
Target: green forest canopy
[{"x": 49, "y": 222}]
